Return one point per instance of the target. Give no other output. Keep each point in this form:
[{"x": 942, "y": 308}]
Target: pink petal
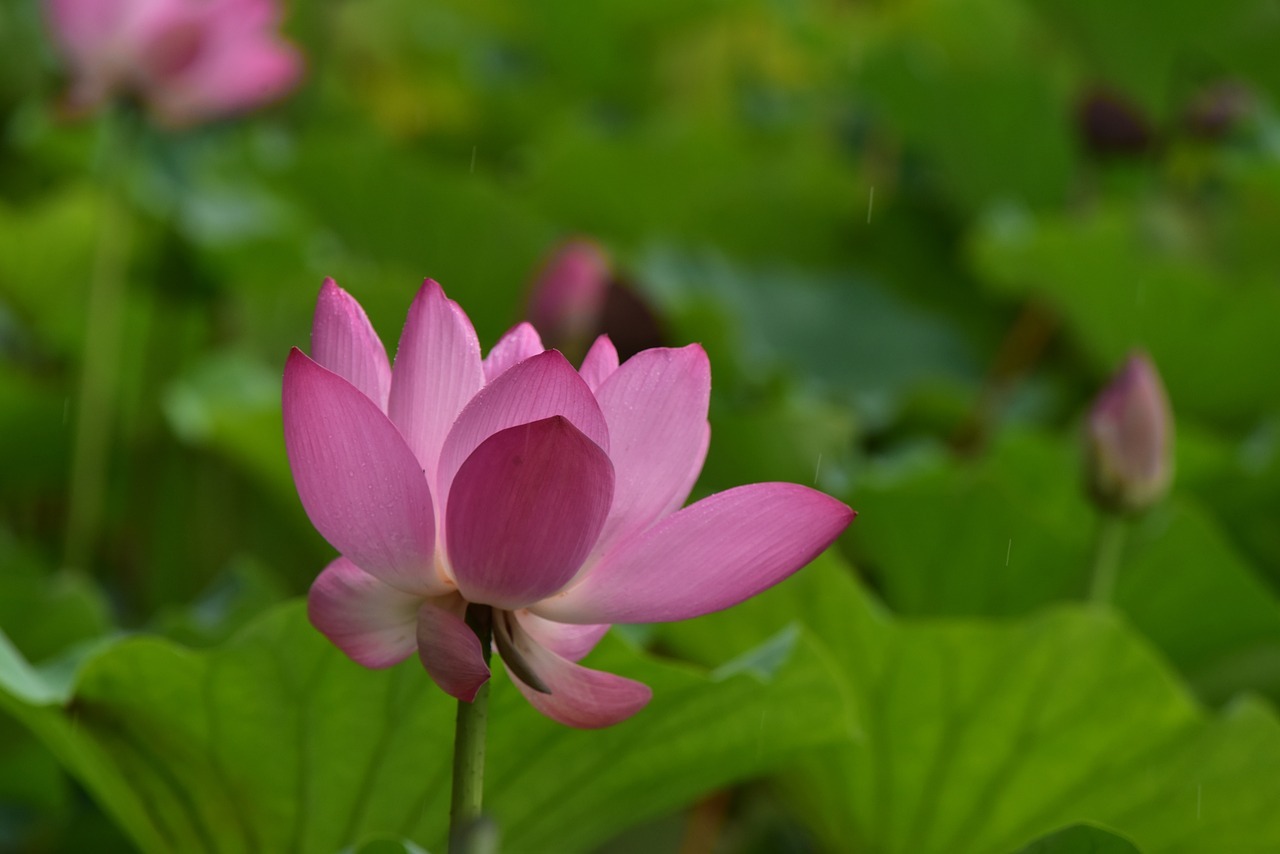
[
  {"x": 373, "y": 623},
  {"x": 238, "y": 72},
  {"x": 600, "y": 362},
  {"x": 708, "y": 556},
  {"x": 656, "y": 409},
  {"x": 343, "y": 340},
  {"x": 437, "y": 371},
  {"x": 449, "y": 649},
  {"x": 524, "y": 512},
  {"x": 83, "y": 27},
  {"x": 539, "y": 387},
  {"x": 358, "y": 480},
  {"x": 518, "y": 344},
  {"x": 567, "y": 640},
  {"x": 582, "y": 698}
]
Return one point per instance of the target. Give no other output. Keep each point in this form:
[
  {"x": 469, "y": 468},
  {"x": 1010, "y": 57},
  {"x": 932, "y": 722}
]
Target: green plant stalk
[
  {"x": 468, "y": 745},
  {"x": 1107, "y": 548},
  {"x": 98, "y": 393}
]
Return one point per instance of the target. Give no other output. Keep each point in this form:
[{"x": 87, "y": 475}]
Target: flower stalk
[
  {"x": 104, "y": 330},
  {"x": 1107, "y": 549},
  {"x": 468, "y": 744}
]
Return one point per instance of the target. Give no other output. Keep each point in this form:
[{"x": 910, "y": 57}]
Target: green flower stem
[
  {"x": 468, "y": 746},
  {"x": 104, "y": 329},
  {"x": 1107, "y": 549}
]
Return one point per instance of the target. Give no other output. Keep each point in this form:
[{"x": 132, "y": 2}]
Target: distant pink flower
[
  {"x": 551, "y": 494},
  {"x": 188, "y": 60},
  {"x": 568, "y": 297},
  {"x": 1129, "y": 439}
]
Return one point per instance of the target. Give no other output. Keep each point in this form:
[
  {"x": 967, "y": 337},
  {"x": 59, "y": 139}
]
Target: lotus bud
[
  {"x": 568, "y": 298},
  {"x": 1129, "y": 440}
]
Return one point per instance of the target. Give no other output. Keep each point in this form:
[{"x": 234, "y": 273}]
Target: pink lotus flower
[
  {"x": 188, "y": 60},
  {"x": 1129, "y": 439},
  {"x": 551, "y": 494}
]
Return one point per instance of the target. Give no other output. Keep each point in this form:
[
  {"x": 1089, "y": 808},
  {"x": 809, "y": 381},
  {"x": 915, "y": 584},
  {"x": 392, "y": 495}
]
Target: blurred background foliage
[{"x": 915, "y": 238}]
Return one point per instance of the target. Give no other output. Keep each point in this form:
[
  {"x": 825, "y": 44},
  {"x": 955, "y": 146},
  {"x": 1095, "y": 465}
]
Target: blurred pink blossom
[
  {"x": 568, "y": 297},
  {"x": 1129, "y": 439},
  {"x": 188, "y": 60},
  {"x": 551, "y": 494}
]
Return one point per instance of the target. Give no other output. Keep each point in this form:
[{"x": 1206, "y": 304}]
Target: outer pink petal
[
  {"x": 600, "y": 362},
  {"x": 539, "y": 387},
  {"x": 230, "y": 77},
  {"x": 357, "y": 479},
  {"x": 708, "y": 556},
  {"x": 373, "y": 623},
  {"x": 437, "y": 371},
  {"x": 656, "y": 408},
  {"x": 343, "y": 340},
  {"x": 83, "y": 26},
  {"x": 567, "y": 640},
  {"x": 524, "y": 512},
  {"x": 518, "y": 344},
  {"x": 449, "y": 649},
  {"x": 582, "y": 698}
]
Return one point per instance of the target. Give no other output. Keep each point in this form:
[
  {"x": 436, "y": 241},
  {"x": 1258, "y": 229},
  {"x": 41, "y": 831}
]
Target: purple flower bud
[{"x": 1129, "y": 440}]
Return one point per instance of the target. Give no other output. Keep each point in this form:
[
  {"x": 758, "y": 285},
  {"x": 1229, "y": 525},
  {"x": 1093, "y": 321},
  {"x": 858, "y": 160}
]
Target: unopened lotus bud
[
  {"x": 1110, "y": 125},
  {"x": 568, "y": 297},
  {"x": 1129, "y": 440}
]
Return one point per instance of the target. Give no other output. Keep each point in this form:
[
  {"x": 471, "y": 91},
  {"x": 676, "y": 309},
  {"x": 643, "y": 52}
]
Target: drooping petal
[
  {"x": 600, "y": 362},
  {"x": 580, "y": 697},
  {"x": 343, "y": 340},
  {"x": 518, "y": 344},
  {"x": 437, "y": 370},
  {"x": 567, "y": 640},
  {"x": 524, "y": 512},
  {"x": 373, "y": 623},
  {"x": 449, "y": 649},
  {"x": 358, "y": 480},
  {"x": 656, "y": 407},
  {"x": 706, "y": 557},
  {"x": 539, "y": 387}
]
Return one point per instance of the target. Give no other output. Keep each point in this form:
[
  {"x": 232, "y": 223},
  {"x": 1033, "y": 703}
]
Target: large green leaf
[
  {"x": 949, "y": 77},
  {"x": 1125, "y": 276},
  {"x": 276, "y": 742},
  {"x": 1081, "y": 839},
  {"x": 1013, "y": 532},
  {"x": 985, "y": 736}
]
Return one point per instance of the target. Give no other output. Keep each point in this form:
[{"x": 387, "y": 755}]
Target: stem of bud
[{"x": 1107, "y": 548}]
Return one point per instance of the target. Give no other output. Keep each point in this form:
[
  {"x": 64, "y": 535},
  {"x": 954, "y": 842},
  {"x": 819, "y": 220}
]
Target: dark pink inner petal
[
  {"x": 524, "y": 511},
  {"x": 538, "y": 387}
]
